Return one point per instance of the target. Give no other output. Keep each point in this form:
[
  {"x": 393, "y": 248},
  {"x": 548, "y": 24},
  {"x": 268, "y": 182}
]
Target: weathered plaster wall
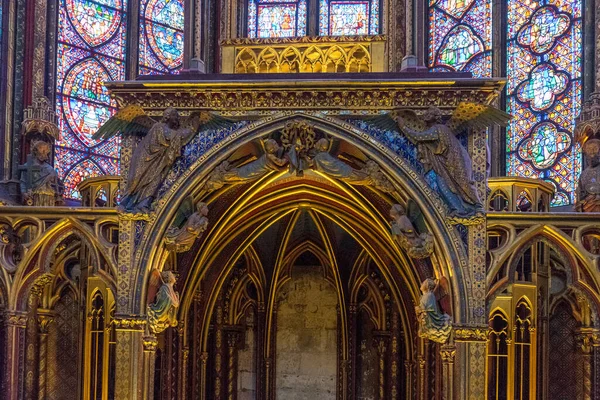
[{"x": 306, "y": 337}]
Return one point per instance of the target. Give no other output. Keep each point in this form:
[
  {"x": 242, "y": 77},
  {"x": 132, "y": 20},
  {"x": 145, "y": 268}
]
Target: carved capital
[
  {"x": 448, "y": 352},
  {"x": 587, "y": 338},
  {"x": 44, "y": 319},
  {"x": 470, "y": 333},
  {"x": 150, "y": 343},
  {"x": 16, "y": 318}
]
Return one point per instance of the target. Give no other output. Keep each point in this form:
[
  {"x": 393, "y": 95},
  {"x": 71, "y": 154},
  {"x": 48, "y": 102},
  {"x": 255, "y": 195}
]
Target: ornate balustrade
[
  {"x": 304, "y": 54},
  {"x": 101, "y": 191},
  {"x": 519, "y": 194}
]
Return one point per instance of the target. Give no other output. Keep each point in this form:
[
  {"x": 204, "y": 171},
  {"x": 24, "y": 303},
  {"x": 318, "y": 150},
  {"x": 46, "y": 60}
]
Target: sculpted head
[
  {"x": 591, "y": 149},
  {"x": 428, "y": 285},
  {"x": 433, "y": 115},
  {"x": 41, "y": 150},
  {"x": 202, "y": 208},
  {"x": 322, "y": 145},
  {"x": 397, "y": 211},
  {"x": 168, "y": 277},
  {"x": 271, "y": 146},
  {"x": 171, "y": 118}
]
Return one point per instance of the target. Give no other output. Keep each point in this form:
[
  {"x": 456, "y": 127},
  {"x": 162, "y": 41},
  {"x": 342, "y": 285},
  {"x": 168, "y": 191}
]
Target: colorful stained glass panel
[
  {"x": 91, "y": 51},
  {"x": 348, "y": 18},
  {"x": 161, "y": 36},
  {"x": 267, "y": 18},
  {"x": 544, "y": 92},
  {"x": 460, "y": 36},
  {"x": 275, "y": 20}
]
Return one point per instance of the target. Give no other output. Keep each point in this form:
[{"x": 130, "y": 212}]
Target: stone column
[
  {"x": 44, "y": 318},
  {"x": 448, "y": 352},
  {"x": 129, "y": 374},
  {"x": 381, "y": 343},
  {"x": 150, "y": 344},
  {"x": 469, "y": 360},
  {"x": 409, "y": 366},
  {"x": 203, "y": 366},
  {"x": 233, "y": 336},
  {"x": 588, "y": 340},
  {"x": 16, "y": 323},
  {"x": 260, "y": 351},
  {"x": 422, "y": 381},
  {"x": 183, "y": 358},
  {"x": 352, "y": 352}
]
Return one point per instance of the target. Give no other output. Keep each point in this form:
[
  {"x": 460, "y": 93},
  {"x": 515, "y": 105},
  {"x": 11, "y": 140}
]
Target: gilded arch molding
[{"x": 451, "y": 255}]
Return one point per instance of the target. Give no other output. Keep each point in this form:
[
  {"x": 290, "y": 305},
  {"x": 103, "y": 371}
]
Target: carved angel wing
[
  {"x": 477, "y": 116},
  {"x": 130, "y": 120},
  {"x": 415, "y": 215},
  {"x": 442, "y": 294},
  {"x": 206, "y": 120},
  {"x": 186, "y": 209},
  {"x": 154, "y": 284}
]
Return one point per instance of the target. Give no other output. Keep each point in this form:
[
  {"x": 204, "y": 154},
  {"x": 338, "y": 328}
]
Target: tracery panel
[
  {"x": 544, "y": 92},
  {"x": 348, "y": 17},
  {"x": 161, "y": 36},
  {"x": 276, "y": 18},
  {"x": 91, "y": 50},
  {"x": 460, "y": 36}
]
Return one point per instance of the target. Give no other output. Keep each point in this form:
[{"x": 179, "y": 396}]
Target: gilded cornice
[
  {"x": 130, "y": 323},
  {"x": 470, "y": 333},
  {"x": 303, "y": 39},
  {"x": 371, "y": 93}
]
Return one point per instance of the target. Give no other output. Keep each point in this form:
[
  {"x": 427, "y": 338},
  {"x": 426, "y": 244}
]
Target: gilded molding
[
  {"x": 303, "y": 39},
  {"x": 130, "y": 323},
  {"x": 474, "y": 333}
]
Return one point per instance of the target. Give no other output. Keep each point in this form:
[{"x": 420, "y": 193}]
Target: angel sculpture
[
  {"x": 440, "y": 150},
  {"x": 256, "y": 169},
  {"x": 410, "y": 231},
  {"x": 159, "y": 148},
  {"x": 181, "y": 238},
  {"x": 163, "y": 312},
  {"x": 370, "y": 175},
  {"x": 433, "y": 323}
]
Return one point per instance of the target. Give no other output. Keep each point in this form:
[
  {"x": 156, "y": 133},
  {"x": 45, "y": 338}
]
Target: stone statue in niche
[
  {"x": 40, "y": 184},
  {"x": 588, "y": 187},
  {"x": 180, "y": 238},
  {"x": 434, "y": 324},
  {"x": 268, "y": 162},
  {"x": 409, "y": 229},
  {"x": 157, "y": 151},
  {"x": 440, "y": 151},
  {"x": 162, "y": 313}
]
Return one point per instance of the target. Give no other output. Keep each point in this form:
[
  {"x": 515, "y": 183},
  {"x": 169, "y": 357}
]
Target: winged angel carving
[
  {"x": 157, "y": 151},
  {"x": 440, "y": 150}
]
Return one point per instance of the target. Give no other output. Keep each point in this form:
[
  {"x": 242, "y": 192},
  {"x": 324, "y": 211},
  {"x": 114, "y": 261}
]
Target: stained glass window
[
  {"x": 460, "y": 36},
  {"x": 544, "y": 92},
  {"x": 91, "y": 50},
  {"x": 348, "y": 17},
  {"x": 161, "y": 36},
  {"x": 273, "y": 18}
]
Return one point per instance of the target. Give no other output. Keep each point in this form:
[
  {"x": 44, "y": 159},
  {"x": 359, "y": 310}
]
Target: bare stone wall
[{"x": 306, "y": 357}]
